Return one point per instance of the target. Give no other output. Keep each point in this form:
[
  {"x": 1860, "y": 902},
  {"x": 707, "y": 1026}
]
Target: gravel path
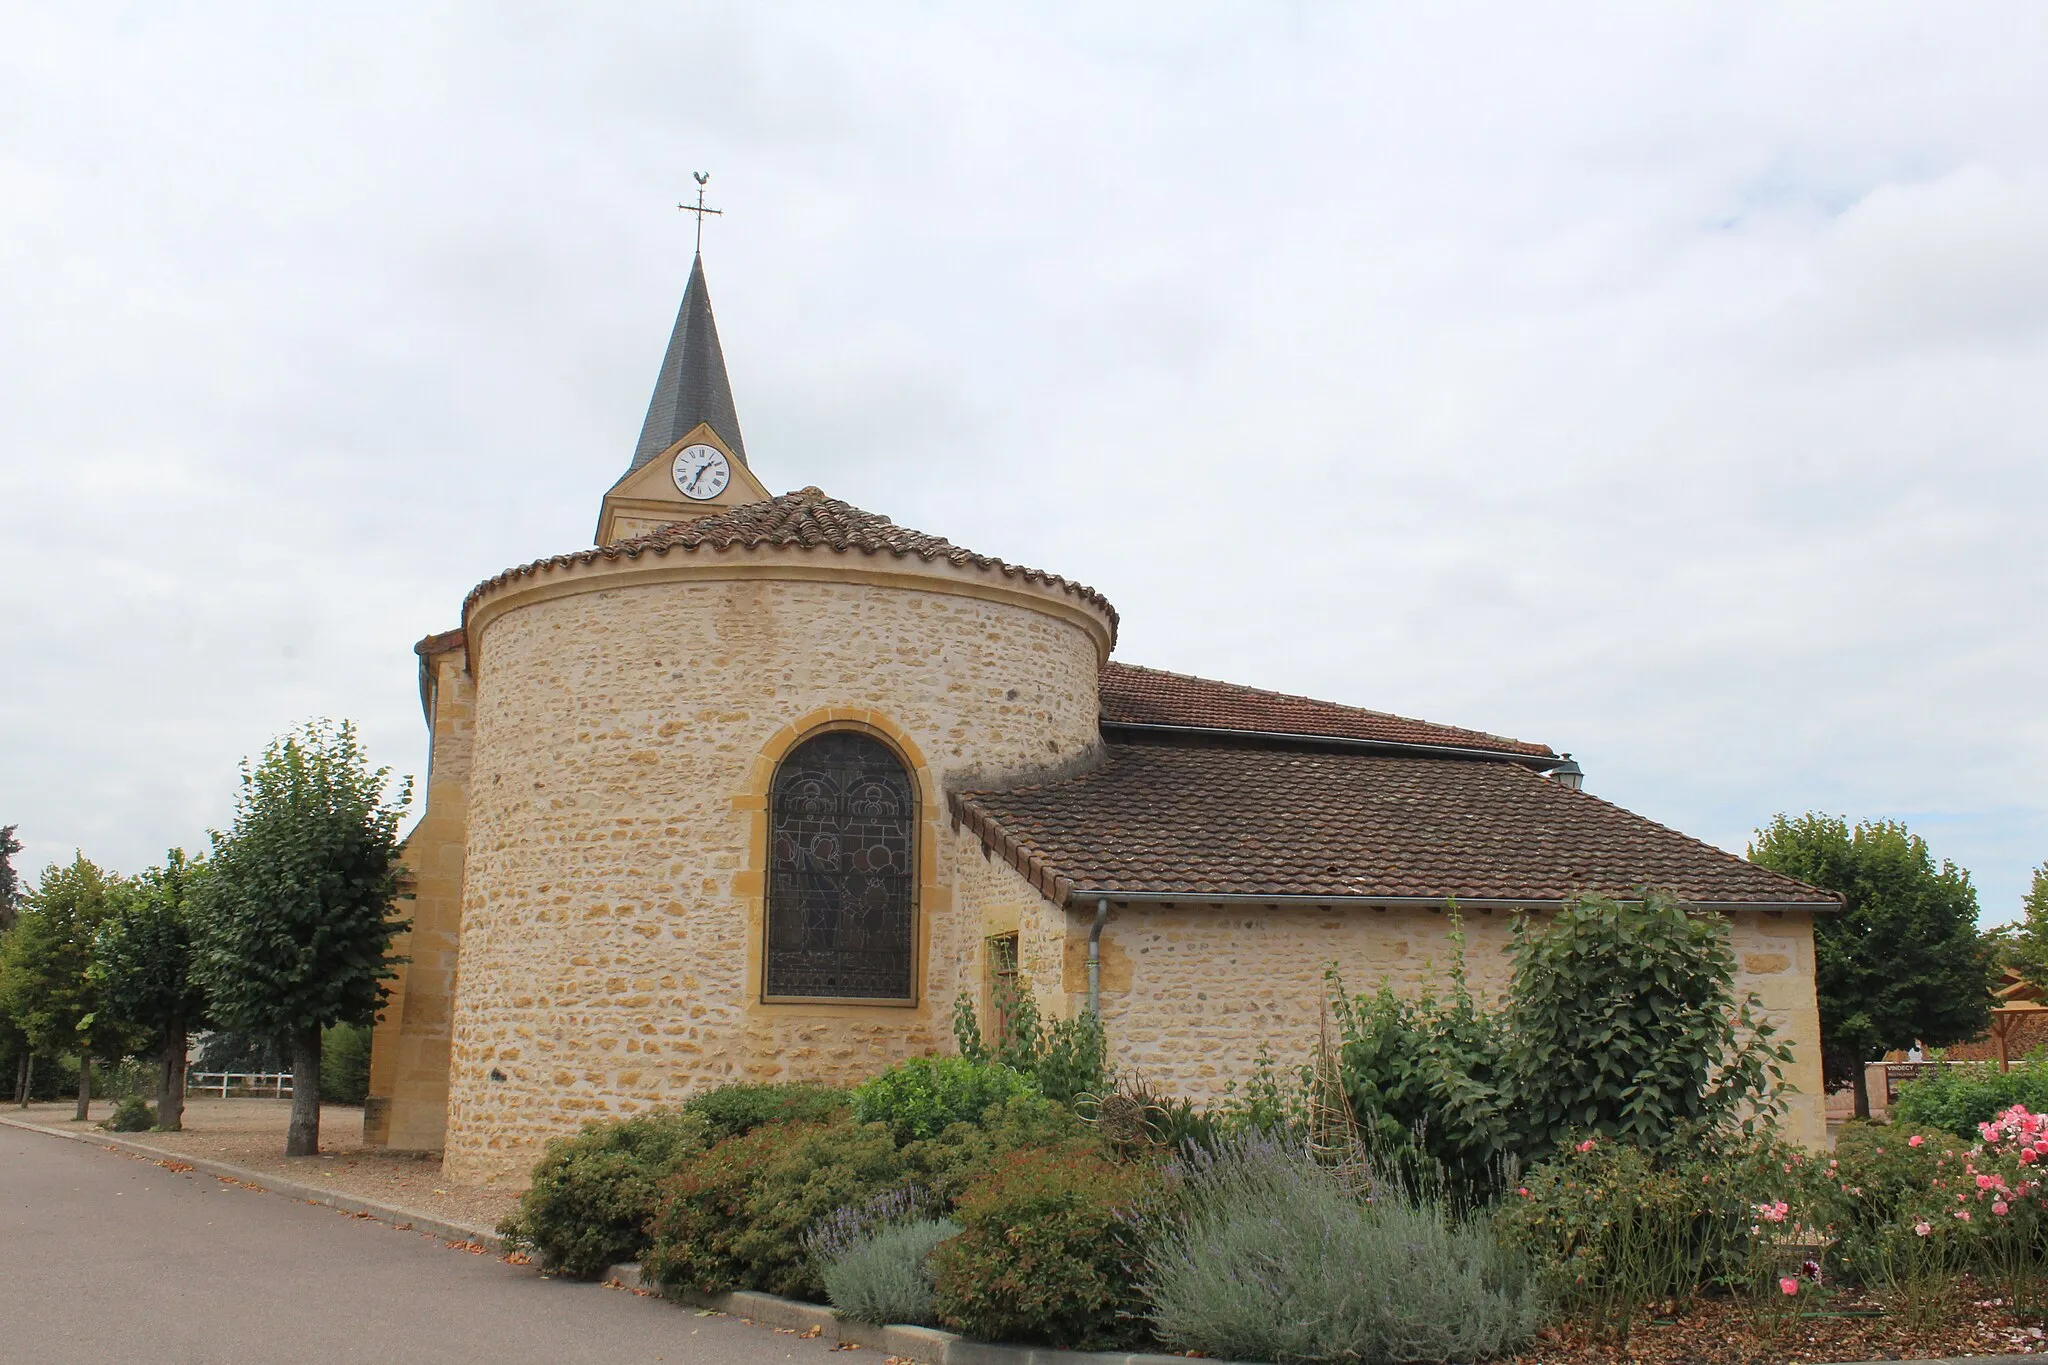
[{"x": 251, "y": 1133}]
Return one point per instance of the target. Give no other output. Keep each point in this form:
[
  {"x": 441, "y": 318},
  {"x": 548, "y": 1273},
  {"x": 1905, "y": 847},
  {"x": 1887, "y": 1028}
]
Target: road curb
[
  {"x": 398, "y": 1217},
  {"x": 927, "y": 1345}
]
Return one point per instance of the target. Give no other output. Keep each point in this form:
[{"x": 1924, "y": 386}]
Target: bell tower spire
[{"x": 691, "y": 423}]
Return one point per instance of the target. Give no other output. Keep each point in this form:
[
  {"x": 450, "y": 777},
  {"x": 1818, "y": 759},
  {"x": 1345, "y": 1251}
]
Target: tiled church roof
[
  {"x": 805, "y": 520},
  {"x": 1146, "y": 696},
  {"x": 1191, "y": 820}
]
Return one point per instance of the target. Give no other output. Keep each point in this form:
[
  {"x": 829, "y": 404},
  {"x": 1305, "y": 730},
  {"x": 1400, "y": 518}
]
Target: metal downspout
[{"x": 1095, "y": 957}]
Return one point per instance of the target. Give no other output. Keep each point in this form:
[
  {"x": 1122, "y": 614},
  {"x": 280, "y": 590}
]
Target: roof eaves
[{"x": 1534, "y": 762}]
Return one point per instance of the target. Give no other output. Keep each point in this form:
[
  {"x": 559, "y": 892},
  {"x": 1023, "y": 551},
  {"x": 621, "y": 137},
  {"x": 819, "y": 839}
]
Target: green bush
[
  {"x": 735, "y": 1216},
  {"x": 345, "y": 1064},
  {"x": 841, "y": 1164},
  {"x": 1955, "y": 1099},
  {"x": 1614, "y": 1227},
  {"x": 131, "y": 1115},
  {"x": 885, "y": 1276},
  {"x": 593, "y": 1194},
  {"x": 948, "y": 1163},
  {"x": 922, "y": 1097},
  {"x": 1268, "y": 1257},
  {"x": 1066, "y": 1058},
  {"x": 731, "y": 1110},
  {"x": 1622, "y": 1020},
  {"x": 1425, "y": 1077},
  {"x": 1047, "y": 1252}
]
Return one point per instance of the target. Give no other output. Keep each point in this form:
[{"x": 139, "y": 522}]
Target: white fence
[{"x": 261, "y": 1084}]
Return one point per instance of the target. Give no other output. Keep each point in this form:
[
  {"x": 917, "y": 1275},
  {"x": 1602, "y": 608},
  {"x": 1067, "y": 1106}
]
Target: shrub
[
  {"x": 1047, "y": 1252},
  {"x": 132, "y": 1115},
  {"x": 593, "y": 1194},
  {"x": 1270, "y": 1258},
  {"x": 345, "y": 1064},
  {"x": 1067, "y": 1058},
  {"x": 948, "y": 1163},
  {"x": 923, "y": 1096},
  {"x": 1956, "y": 1099},
  {"x": 1424, "y": 1077},
  {"x": 735, "y": 1216},
  {"x": 730, "y": 1110},
  {"x": 1623, "y": 1020},
  {"x": 704, "y": 1207},
  {"x": 1612, "y": 1229},
  {"x": 884, "y": 1276},
  {"x": 799, "y": 1184}
]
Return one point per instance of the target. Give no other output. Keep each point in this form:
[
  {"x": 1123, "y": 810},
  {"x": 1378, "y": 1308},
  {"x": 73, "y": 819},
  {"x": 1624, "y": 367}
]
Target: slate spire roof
[{"x": 692, "y": 386}]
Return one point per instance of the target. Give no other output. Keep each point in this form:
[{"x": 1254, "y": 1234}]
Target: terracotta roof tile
[
  {"x": 804, "y": 520},
  {"x": 1148, "y": 696},
  {"x": 1240, "y": 820}
]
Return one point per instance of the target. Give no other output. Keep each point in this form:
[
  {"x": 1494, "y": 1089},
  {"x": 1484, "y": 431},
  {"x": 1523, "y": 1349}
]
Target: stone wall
[
  {"x": 1191, "y": 993},
  {"x": 625, "y": 736},
  {"x": 408, "y": 1101}
]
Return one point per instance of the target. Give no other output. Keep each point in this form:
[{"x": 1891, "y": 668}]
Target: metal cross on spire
[{"x": 702, "y": 178}]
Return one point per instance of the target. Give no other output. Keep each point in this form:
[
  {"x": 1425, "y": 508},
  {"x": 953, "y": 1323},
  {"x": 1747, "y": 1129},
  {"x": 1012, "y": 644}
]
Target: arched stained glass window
[{"x": 840, "y": 867}]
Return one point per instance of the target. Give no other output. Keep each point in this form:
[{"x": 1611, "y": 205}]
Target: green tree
[
  {"x": 10, "y": 884},
  {"x": 143, "y": 969},
  {"x": 2023, "y": 945},
  {"x": 1622, "y": 1019},
  {"x": 294, "y": 918},
  {"x": 1902, "y": 963},
  {"x": 45, "y": 987}
]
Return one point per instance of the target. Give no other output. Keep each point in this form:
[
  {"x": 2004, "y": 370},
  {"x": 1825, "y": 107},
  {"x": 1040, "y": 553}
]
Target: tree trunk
[
  {"x": 24, "y": 1075},
  {"x": 303, "y": 1138},
  {"x": 84, "y": 1088},
  {"x": 1862, "y": 1089},
  {"x": 170, "y": 1082}
]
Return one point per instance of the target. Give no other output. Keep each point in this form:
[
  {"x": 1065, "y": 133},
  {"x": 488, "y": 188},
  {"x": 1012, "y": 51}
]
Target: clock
[{"x": 701, "y": 472}]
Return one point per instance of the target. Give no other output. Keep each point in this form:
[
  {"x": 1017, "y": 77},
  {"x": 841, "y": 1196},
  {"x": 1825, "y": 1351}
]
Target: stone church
[{"x": 755, "y": 785}]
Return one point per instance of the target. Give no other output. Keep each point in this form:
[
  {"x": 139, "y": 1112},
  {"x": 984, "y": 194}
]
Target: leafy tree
[
  {"x": 10, "y": 884},
  {"x": 294, "y": 916},
  {"x": 45, "y": 987},
  {"x": 2024, "y": 945},
  {"x": 143, "y": 970},
  {"x": 1902, "y": 963}
]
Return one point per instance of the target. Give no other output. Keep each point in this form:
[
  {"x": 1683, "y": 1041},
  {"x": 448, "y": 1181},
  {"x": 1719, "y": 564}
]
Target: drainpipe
[{"x": 1095, "y": 957}]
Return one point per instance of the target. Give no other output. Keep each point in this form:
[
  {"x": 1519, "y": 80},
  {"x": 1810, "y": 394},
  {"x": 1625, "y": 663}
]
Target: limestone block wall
[
  {"x": 1191, "y": 993},
  {"x": 408, "y": 1101},
  {"x": 625, "y": 737}
]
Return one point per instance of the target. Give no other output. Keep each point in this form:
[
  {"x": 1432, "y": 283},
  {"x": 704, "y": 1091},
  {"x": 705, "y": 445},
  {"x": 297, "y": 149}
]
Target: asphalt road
[{"x": 107, "y": 1258}]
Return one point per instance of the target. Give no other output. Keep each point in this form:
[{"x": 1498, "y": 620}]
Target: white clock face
[{"x": 701, "y": 472}]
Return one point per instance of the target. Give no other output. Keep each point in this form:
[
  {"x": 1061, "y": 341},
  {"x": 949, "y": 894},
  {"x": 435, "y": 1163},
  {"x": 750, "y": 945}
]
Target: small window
[
  {"x": 841, "y": 902},
  {"x": 1002, "y": 985}
]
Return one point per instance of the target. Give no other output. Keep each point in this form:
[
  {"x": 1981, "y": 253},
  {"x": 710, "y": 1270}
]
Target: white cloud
[{"x": 1662, "y": 383}]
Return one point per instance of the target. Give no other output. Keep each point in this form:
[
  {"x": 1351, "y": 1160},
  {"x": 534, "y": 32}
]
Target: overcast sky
[{"x": 1666, "y": 384}]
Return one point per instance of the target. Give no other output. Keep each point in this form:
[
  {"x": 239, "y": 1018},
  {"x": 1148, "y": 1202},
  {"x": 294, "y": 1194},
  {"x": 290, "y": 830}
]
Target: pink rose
[
  {"x": 1915, "y": 1140},
  {"x": 1923, "y": 1228},
  {"x": 1789, "y": 1285},
  {"x": 1963, "y": 1214},
  {"x": 1587, "y": 1145},
  {"x": 1999, "y": 1207}
]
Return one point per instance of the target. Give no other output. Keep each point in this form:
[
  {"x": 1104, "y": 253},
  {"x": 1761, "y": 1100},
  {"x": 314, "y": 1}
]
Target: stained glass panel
[{"x": 840, "y": 819}]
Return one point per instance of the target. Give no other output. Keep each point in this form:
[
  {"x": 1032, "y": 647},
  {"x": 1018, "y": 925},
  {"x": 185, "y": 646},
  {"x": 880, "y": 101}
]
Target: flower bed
[{"x": 1392, "y": 1202}]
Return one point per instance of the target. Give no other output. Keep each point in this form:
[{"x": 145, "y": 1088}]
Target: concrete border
[
  {"x": 398, "y": 1217},
  {"x": 926, "y": 1345}
]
